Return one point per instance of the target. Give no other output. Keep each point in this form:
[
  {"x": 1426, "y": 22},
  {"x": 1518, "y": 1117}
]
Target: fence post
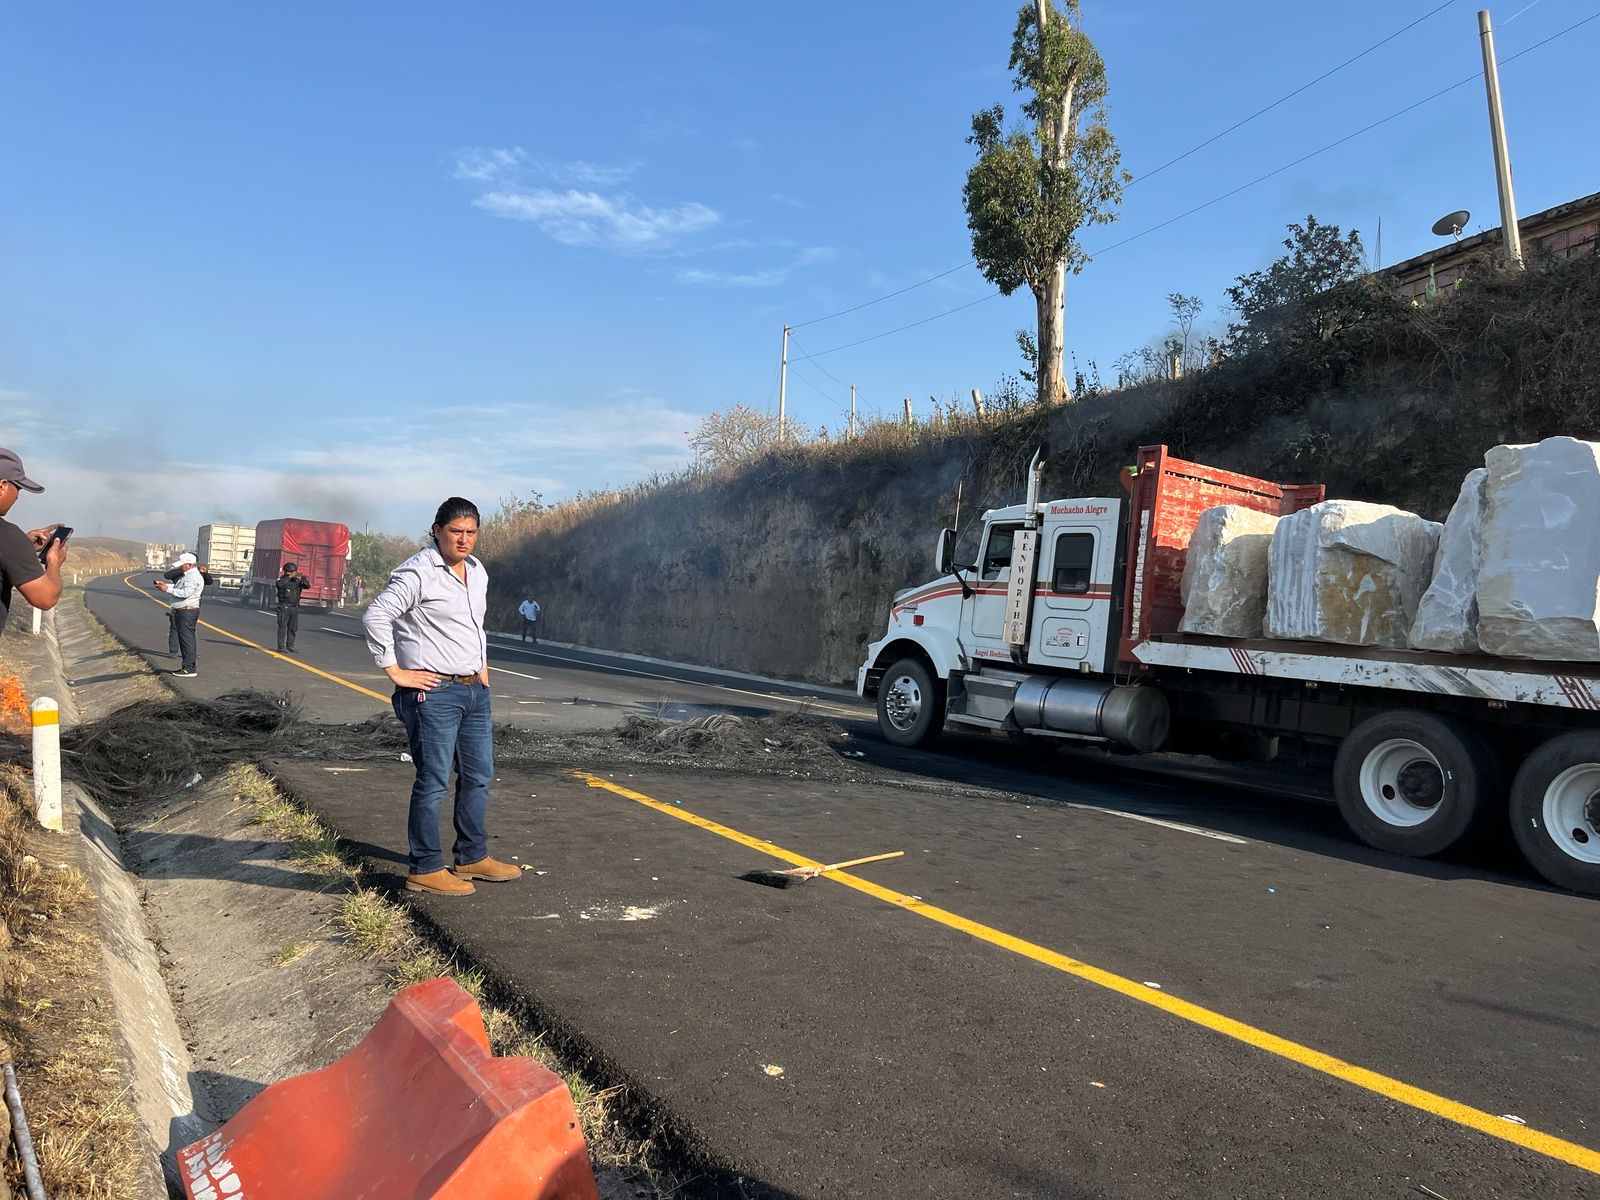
[{"x": 47, "y": 762}]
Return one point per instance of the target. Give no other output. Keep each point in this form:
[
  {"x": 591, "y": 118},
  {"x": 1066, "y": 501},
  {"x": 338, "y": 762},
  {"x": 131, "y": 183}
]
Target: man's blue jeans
[{"x": 450, "y": 725}]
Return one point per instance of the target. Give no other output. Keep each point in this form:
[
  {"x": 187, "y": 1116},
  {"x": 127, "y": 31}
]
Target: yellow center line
[
  {"x": 1383, "y": 1085},
  {"x": 293, "y": 662}
]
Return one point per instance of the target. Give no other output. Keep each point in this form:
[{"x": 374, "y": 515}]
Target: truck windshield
[{"x": 997, "y": 554}]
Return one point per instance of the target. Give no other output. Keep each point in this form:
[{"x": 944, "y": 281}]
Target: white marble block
[
  {"x": 1347, "y": 572},
  {"x": 1540, "y": 575},
  {"x": 1447, "y": 618},
  {"x": 1225, "y": 572}
]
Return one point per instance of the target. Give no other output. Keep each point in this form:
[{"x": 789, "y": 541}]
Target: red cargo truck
[{"x": 317, "y": 548}]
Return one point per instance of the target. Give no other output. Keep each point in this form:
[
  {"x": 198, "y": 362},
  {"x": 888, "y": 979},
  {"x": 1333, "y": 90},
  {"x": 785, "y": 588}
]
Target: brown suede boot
[
  {"x": 439, "y": 883},
  {"x": 486, "y": 869}
]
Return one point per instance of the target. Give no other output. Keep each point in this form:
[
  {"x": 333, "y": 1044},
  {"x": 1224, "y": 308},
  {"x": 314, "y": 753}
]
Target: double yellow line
[
  {"x": 293, "y": 662},
  {"x": 1383, "y": 1085}
]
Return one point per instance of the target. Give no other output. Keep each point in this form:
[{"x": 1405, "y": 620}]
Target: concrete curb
[{"x": 152, "y": 1041}]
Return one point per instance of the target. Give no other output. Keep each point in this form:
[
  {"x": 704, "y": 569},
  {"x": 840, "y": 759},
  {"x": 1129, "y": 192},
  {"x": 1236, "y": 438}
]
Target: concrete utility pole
[
  {"x": 1054, "y": 129},
  {"x": 977, "y": 401},
  {"x": 852, "y": 410},
  {"x": 783, "y": 380},
  {"x": 908, "y": 412},
  {"x": 1502, "y": 156}
]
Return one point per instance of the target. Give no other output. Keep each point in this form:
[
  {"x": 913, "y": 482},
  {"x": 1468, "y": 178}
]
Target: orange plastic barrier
[{"x": 420, "y": 1109}]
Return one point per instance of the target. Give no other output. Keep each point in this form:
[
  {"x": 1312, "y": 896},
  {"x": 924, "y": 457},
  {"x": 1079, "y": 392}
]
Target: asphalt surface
[{"x": 1022, "y": 1029}]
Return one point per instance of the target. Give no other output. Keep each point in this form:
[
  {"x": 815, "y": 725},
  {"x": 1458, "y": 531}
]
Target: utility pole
[
  {"x": 908, "y": 412},
  {"x": 852, "y": 410},
  {"x": 783, "y": 380},
  {"x": 977, "y": 401},
  {"x": 1502, "y": 156}
]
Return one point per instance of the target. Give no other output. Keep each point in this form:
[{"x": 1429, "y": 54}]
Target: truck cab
[{"x": 1022, "y": 641}]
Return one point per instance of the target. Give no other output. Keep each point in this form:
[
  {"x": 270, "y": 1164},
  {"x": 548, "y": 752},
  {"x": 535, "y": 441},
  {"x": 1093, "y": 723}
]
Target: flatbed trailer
[{"x": 1067, "y": 626}]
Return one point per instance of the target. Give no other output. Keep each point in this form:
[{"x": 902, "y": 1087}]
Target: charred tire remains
[
  {"x": 1414, "y": 783},
  {"x": 1555, "y": 811},
  {"x": 910, "y": 704}
]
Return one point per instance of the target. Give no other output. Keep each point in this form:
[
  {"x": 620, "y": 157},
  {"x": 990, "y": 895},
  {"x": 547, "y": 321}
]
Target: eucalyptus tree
[{"x": 1034, "y": 187}]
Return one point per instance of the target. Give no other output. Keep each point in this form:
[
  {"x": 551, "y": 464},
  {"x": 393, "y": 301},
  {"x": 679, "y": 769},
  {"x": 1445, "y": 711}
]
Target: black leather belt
[{"x": 473, "y": 678}]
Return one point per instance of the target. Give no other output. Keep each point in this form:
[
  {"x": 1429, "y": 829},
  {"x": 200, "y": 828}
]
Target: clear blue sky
[{"x": 343, "y": 260}]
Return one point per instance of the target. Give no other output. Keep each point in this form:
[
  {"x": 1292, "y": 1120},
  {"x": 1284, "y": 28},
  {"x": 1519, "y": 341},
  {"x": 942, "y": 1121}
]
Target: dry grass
[
  {"x": 381, "y": 930},
  {"x": 56, "y": 1016}
]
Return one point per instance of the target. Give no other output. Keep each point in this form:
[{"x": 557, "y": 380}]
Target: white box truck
[{"x": 225, "y": 552}]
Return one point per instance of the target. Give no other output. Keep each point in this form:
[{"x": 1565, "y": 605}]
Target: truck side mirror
[{"x": 945, "y": 552}]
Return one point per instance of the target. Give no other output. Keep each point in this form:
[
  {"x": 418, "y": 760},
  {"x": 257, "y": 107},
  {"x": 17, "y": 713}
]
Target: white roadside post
[
  {"x": 38, "y": 621},
  {"x": 47, "y": 762}
]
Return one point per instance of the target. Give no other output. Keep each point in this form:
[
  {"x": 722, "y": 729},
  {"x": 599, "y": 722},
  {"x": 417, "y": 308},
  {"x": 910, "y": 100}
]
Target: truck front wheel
[
  {"x": 1413, "y": 783},
  {"x": 910, "y": 704},
  {"x": 1555, "y": 811}
]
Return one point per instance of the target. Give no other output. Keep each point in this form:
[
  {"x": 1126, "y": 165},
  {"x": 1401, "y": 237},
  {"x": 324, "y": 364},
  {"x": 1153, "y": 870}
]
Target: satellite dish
[{"x": 1451, "y": 224}]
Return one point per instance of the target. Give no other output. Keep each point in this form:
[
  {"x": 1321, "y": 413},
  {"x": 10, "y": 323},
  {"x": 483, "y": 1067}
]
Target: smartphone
[{"x": 59, "y": 534}]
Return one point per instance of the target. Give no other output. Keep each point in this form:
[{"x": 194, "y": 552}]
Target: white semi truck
[
  {"x": 1066, "y": 626},
  {"x": 225, "y": 550}
]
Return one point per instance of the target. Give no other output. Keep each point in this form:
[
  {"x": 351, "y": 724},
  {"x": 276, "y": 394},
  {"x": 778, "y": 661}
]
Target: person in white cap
[
  {"x": 185, "y": 592},
  {"x": 30, "y": 562}
]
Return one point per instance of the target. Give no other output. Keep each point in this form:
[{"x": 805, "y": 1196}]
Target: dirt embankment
[{"x": 786, "y": 566}]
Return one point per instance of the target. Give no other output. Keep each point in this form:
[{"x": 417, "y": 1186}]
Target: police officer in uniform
[{"x": 290, "y": 584}]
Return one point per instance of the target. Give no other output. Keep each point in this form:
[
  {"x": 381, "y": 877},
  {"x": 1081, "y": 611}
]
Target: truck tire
[
  {"x": 910, "y": 704},
  {"x": 1555, "y": 811},
  {"x": 1413, "y": 783}
]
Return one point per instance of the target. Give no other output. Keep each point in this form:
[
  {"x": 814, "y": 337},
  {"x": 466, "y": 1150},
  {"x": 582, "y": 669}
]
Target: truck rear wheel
[
  {"x": 1555, "y": 811},
  {"x": 1414, "y": 783},
  {"x": 910, "y": 704}
]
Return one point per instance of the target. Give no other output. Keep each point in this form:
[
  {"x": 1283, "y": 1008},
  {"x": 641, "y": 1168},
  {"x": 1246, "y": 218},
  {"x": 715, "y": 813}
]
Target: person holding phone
[
  {"x": 185, "y": 592},
  {"x": 30, "y": 562}
]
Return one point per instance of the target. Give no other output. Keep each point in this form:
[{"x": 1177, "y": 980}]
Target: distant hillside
[
  {"x": 125, "y": 547},
  {"x": 102, "y": 555}
]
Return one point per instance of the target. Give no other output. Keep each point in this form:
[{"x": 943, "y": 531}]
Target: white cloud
[
  {"x": 385, "y": 471},
  {"x": 616, "y": 222},
  {"x": 482, "y": 164},
  {"x": 160, "y": 519},
  {"x": 584, "y": 208},
  {"x": 587, "y": 174},
  {"x": 770, "y": 277}
]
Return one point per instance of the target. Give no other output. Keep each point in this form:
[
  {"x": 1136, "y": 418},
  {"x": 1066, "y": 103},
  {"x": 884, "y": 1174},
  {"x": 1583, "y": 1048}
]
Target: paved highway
[{"x": 1104, "y": 984}]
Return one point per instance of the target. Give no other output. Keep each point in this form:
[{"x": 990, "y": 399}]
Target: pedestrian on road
[
  {"x": 22, "y": 568},
  {"x": 290, "y": 584},
  {"x": 185, "y": 611},
  {"x": 361, "y": 586},
  {"x": 529, "y": 609},
  {"x": 172, "y": 576},
  {"x": 425, "y": 630}
]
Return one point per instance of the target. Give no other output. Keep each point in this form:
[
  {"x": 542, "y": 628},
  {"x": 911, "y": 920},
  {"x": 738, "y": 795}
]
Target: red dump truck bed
[{"x": 318, "y": 548}]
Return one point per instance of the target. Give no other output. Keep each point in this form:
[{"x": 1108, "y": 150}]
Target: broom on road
[{"x": 795, "y": 876}]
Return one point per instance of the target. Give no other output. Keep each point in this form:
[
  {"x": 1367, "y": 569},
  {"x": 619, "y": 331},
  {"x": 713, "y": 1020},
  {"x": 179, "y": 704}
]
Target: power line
[
  {"x": 891, "y": 332},
  {"x": 805, "y": 355},
  {"x": 869, "y": 303},
  {"x": 1215, "y": 199},
  {"x": 1476, "y": 75},
  {"x": 1291, "y": 95},
  {"x": 1170, "y": 162}
]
